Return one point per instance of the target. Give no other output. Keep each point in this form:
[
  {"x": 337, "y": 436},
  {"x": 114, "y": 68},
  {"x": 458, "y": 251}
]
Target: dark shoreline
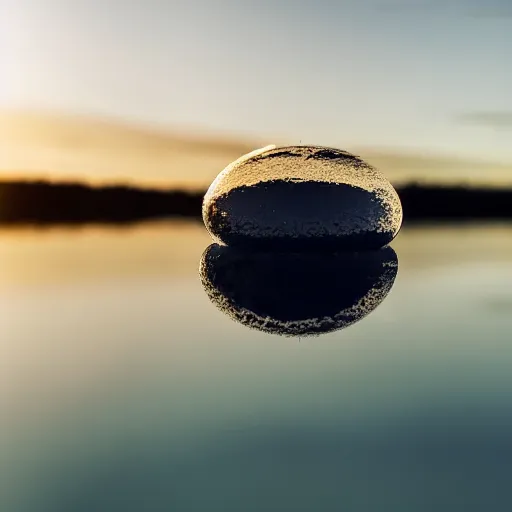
[{"x": 42, "y": 203}]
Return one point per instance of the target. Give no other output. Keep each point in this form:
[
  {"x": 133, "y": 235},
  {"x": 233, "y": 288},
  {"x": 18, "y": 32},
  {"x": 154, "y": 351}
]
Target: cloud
[
  {"x": 469, "y": 8},
  {"x": 491, "y": 119},
  {"x": 100, "y": 151}
]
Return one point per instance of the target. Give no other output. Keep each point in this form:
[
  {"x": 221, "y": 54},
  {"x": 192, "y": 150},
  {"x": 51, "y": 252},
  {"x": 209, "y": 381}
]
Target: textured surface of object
[
  {"x": 297, "y": 294},
  {"x": 302, "y": 197}
]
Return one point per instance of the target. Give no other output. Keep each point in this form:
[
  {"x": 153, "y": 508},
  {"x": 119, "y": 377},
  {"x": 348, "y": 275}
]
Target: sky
[{"x": 428, "y": 76}]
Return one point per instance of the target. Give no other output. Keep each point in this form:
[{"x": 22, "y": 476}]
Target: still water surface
[{"x": 122, "y": 388}]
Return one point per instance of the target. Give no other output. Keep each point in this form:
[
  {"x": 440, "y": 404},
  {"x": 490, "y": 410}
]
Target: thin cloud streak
[
  {"x": 473, "y": 9},
  {"x": 490, "y": 119}
]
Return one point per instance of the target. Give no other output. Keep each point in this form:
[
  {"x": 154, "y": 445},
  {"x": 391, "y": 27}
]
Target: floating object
[
  {"x": 297, "y": 294},
  {"x": 299, "y": 198}
]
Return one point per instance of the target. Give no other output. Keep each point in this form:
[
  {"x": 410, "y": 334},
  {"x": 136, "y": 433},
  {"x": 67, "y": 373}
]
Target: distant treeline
[
  {"x": 439, "y": 203},
  {"x": 60, "y": 203}
]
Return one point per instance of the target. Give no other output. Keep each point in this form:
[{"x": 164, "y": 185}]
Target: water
[{"x": 124, "y": 388}]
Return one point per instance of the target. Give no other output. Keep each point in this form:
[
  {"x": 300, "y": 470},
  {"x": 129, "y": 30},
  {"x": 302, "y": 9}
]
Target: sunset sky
[{"x": 391, "y": 74}]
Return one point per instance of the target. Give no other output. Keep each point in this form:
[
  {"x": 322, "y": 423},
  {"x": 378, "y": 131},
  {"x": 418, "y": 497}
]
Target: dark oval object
[
  {"x": 302, "y": 197},
  {"x": 297, "y": 294}
]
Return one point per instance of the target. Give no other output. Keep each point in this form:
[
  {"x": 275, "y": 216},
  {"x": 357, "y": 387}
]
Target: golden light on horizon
[
  {"x": 68, "y": 148},
  {"x": 101, "y": 151}
]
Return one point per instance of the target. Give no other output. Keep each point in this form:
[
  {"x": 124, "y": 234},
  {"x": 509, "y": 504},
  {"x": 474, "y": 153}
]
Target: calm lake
[{"x": 123, "y": 388}]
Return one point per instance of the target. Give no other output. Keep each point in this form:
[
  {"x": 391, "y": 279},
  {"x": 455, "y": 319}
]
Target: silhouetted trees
[
  {"x": 45, "y": 203},
  {"x": 455, "y": 203},
  {"x": 57, "y": 203}
]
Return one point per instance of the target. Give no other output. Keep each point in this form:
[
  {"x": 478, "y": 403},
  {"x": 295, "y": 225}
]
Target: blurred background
[
  {"x": 122, "y": 387},
  {"x": 165, "y": 93}
]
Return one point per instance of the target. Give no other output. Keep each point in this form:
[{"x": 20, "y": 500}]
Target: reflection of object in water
[
  {"x": 302, "y": 197},
  {"x": 297, "y": 294}
]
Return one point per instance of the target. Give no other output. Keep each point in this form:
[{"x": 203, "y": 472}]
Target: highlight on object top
[{"x": 300, "y": 198}]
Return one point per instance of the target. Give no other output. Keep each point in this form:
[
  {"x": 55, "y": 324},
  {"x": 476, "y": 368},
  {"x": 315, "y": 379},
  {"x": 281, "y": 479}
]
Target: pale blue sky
[{"x": 385, "y": 73}]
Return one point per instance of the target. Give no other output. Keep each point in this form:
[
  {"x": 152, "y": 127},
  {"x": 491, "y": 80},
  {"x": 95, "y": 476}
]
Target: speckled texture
[
  {"x": 299, "y": 216},
  {"x": 299, "y": 197},
  {"x": 297, "y": 294}
]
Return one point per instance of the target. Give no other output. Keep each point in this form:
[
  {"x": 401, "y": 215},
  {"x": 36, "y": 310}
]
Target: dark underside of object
[{"x": 295, "y": 215}]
